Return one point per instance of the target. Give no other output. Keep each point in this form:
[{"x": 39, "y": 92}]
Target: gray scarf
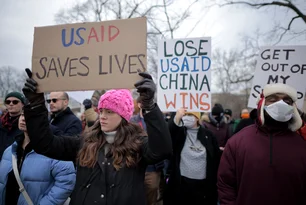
[{"x": 110, "y": 138}]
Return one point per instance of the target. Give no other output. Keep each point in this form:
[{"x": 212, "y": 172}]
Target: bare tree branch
[
  {"x": 162, "y": 20},
  {"x": 288, "y": 5},
  {"x": 286, "y": 29},
  {"x": 168, "y": 19},
  {"x": 120, "y": 9},
  {"x": 11, "y": 79},
  {"x": 196, "y": 24},
  {"x": 234, "y": 69},
  {"x": 278, "y": 31}
]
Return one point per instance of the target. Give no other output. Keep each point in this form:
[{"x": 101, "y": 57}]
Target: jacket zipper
[{"x": 271, "y": 150}]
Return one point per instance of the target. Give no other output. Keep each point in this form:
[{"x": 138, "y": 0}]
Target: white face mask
[
  {"x": 189, "y": 121},
  {"x": 280, "y": 111}
]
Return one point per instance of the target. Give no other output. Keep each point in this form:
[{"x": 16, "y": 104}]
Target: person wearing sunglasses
[
  {"x": 62, "y": 118},
  {"x": 14, "y": 102}
]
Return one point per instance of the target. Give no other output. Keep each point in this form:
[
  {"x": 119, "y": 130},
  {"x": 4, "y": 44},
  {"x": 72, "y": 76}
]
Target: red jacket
[
  {"x": 302, "y": 131},
  {"x": 258, "y": 168}
]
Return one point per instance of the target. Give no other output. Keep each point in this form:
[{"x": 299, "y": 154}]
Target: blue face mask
[{"x": 280, "y": 111}]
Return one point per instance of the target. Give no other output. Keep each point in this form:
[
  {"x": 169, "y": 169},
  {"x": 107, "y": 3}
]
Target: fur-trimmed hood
[{"x": 296, "y": 121}]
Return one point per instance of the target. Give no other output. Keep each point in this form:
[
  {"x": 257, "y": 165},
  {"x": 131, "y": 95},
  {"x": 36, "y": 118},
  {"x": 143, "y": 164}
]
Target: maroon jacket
[
  {"x": 220, "y": 130},
  {"x": 259, "y": 168}
]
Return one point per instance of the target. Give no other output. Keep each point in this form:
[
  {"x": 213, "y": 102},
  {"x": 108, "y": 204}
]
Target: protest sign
[
  {"x": 280, "y": 64},
  {"x": 184, "y": 78},
  {"x": 89, "y": 56}
]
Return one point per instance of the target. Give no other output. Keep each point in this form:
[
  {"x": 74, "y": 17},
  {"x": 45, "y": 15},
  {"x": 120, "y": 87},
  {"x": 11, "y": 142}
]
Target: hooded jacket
[
  {"x": 46, "y": 180},
  {"x": 219, "y": 129},
  {"x": 91, "y": 117},
  {"x": 259, "y": 166}
]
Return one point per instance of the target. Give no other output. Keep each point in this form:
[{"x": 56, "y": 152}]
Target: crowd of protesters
[{"x": 125, "y": 151}]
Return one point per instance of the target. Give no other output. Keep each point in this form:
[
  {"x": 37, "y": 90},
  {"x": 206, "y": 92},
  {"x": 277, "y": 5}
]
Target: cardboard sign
[
  {"x": 90, "y": 56},
  {"x": 184, "y": 77},
  {"x": 280, "y": 64}
]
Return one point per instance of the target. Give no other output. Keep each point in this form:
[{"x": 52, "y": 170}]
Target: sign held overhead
[
  {"x": 184, "y": 78},
  {"x": 90, "y": 56},
  {"x": 280, "y": 64}
]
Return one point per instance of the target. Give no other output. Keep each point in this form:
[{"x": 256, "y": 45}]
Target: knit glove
[
  {"x": 87, "y": 104},
  {"x": 29, "y": 90},
  {"x": 146, "y": 89}
]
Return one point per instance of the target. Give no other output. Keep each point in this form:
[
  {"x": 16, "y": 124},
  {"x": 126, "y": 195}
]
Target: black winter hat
[
  {"x": 16, "y": 95},
  {"x": 217, "y": 109},
  {"x": 228, "y": 112}
]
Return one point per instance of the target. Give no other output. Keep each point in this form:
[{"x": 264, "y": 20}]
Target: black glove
[
  {"x": 87, "y": 104},
  {"x": 29, "y": 90},
  {"x": 146, "y": 89}
]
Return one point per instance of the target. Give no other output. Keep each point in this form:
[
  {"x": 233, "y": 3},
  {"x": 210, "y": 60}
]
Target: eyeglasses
[
  {"x": 15, "y": 102},
  {"x": 54, "y": 100}
]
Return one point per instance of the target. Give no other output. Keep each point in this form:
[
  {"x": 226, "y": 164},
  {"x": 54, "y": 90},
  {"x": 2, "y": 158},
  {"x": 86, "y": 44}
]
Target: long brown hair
[{"x": 124, "y": 150}]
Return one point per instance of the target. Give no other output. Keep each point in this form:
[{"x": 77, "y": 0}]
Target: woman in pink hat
[{"x": 112, "y": 157}]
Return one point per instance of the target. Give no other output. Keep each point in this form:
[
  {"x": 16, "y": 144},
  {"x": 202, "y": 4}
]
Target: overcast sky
[{"x": 225, "y": 25}]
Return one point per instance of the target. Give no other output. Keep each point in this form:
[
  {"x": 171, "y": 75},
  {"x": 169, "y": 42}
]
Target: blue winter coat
[{"x": 47, "y": 181}]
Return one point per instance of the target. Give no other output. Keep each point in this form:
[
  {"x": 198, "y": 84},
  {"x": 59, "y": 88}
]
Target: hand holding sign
[
  {"x": 184, "y": 74},
  {"x": 179, "y": 115},
  {"x": 146, "y": 89},
  {"x": 30, "y": 88}
]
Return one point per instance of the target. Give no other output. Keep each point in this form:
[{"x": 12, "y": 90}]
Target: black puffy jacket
[{"x": 8, "y": 137}]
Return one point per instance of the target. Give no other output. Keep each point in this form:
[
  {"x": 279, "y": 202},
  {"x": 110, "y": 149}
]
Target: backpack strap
[{"x": 21, "y": 187}]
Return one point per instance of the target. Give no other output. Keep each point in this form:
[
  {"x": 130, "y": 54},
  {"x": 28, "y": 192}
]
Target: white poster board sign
[
  {"x": 184, "y": 76},
  {"x": 280, "y": 64}
]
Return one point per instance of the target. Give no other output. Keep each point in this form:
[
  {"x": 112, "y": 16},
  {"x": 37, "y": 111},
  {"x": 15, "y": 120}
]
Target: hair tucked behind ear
[{"x": 125, "y": 150}]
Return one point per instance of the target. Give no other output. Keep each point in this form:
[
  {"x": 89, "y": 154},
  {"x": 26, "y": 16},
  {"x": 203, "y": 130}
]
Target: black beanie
[
  {"x": 217, "y": 109},
  {"x": 228, "y": 112},
  {"x": 16, "y": 95}
]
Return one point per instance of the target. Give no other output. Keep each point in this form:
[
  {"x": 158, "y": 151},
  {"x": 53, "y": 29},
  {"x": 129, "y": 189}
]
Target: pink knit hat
[{"x": 118, "y": 101}]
